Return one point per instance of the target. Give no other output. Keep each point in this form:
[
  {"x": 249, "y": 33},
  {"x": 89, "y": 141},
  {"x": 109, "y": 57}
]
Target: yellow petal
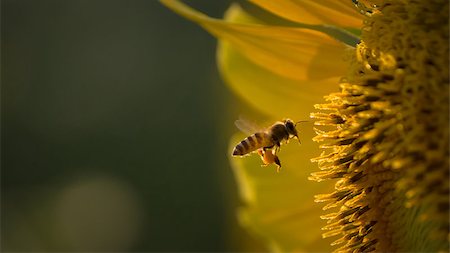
[
  {"x": 280, "y": 207},
  {"x": 295, "y": 53},
  {"x": 331, "y": 12},
  {"x": 267, "y": 92}
]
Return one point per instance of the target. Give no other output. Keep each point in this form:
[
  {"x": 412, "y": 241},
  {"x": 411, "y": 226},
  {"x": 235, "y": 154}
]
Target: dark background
[{"x": 114, "y": 130}]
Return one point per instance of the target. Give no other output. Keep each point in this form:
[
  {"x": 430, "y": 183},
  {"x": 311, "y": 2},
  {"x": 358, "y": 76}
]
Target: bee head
[{"x": 290, "y": 127}]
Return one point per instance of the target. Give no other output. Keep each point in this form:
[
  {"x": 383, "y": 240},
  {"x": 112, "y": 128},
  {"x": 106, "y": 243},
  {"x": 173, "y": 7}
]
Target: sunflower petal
[
  {"x": 279, "y": 206},
  {"x": 269, "y": 93},
  {"x": 295, "y": 53},
  {"x": 333, "y": 12}
]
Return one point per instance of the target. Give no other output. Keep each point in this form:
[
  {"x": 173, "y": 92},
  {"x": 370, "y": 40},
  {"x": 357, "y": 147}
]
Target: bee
[
  {"x": 268, "y": 157},
  {"x": 270, "y": 138}
]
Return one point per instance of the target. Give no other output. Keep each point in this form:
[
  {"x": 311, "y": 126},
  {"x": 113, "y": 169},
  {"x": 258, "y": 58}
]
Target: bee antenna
[{"x": 301, "y": 121}]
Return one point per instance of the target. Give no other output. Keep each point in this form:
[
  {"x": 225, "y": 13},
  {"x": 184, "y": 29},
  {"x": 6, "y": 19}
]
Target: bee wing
[{"x": 247, "y": 126}]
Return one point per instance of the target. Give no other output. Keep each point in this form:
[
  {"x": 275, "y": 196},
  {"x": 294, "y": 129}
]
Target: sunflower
[{"x": 374, "y": 77}]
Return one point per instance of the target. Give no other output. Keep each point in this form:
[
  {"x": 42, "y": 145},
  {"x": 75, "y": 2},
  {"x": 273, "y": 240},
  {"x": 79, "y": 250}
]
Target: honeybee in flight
[{"x": 267, "y": 142}]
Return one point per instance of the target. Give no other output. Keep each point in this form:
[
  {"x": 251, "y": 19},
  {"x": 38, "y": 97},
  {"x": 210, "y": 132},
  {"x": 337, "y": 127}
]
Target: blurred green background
[{"x": 114, "y": 130}]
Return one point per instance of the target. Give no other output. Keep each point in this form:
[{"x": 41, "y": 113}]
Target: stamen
[{"x": 389, "y": 146}]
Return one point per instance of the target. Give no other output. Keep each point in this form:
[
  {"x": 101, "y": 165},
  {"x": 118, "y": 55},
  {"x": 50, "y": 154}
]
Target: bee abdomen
[{"x": 248, "y": 145}]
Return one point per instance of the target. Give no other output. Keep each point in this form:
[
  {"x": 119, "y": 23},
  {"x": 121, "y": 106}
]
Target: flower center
[{"x": 386, "y": 134}]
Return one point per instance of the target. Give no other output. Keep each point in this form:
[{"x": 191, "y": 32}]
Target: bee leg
[
  {"x": 261, "y": 153},
  {"x": 277, "y": 147},
  {"x": 268, "y": 147},
  {"x": 278, "y": 163},
  {"x": 298, "y": 139}
]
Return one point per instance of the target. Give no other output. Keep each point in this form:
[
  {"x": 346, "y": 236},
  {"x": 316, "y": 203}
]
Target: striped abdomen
[{"x": 252, "y": 143}]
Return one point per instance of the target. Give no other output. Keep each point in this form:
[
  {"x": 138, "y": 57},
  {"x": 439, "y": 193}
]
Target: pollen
[{"x": 385, "y": 134}]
